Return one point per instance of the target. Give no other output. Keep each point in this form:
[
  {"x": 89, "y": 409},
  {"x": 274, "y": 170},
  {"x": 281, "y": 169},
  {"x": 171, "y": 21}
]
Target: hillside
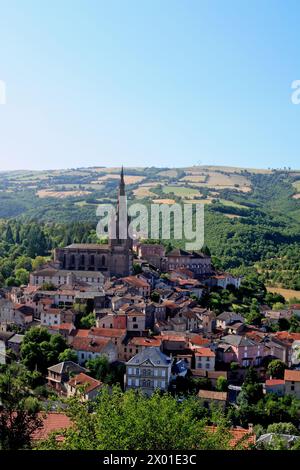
[{"x": 251, "y": 216}]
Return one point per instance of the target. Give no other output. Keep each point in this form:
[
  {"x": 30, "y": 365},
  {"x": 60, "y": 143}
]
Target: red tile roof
[
  {"x": 271, "y": 382},
  {"x": 142, "y": 341},
  {"x": 135, "y": 281},
  {"x": 62, "y": 326},
  {"x": 81, "y": 333},
  {"x": 107, "y": 332},
  {"x": 89, "y": 344},
  {"x": 244, "y": 437},
  {"x": 84, "y": 379},
  {"x": 51, "y": 422},
  {"x": 292, "y": 375},
  {"x": 205, "y": 352}
]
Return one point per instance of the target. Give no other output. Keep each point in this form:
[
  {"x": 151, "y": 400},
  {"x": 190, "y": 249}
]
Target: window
[
  {"x": 129, "y": 381},
  {"x": 129, "y": 370}
]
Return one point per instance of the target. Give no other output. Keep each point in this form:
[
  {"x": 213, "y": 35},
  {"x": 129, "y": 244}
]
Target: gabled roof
[
  {"x": 85, "y": 380},
  {"x": 90, "y": 344},
  {"x": 66, "y": 367},
  {"x": 152, "y": 354},
  {"x": 204, "y": 352},
  {"x": 237, "y": 340}
]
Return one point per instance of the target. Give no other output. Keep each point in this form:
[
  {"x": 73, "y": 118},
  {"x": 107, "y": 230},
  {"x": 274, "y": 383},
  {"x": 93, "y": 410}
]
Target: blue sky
[{"x": 165, "y": 83}]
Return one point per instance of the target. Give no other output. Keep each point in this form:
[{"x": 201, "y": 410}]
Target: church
[{"x": 112, "y": 259}]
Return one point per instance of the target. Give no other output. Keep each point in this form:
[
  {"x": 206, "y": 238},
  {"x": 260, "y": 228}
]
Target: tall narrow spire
[{"x": 122, "y": 183}]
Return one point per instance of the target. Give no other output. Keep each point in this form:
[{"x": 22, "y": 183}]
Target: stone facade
[{"x": 112, "y": 259}]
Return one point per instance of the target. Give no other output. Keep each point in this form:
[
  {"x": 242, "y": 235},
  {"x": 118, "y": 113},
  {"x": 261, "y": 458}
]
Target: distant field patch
[
  {"x": 296, "y": 185},
  {"x": 225, "y": 202},
  {"x": 197, "y": 201},
  {"x": 129, "y": 179},
  {"x": 286, "y": 293},
  {"x": 163, "y": 201},
  {"x": 296, "y": 196},
  {"x": 168, "y": 173},
  {"x": 194, "y": 178},
  {"x": 181, "y": 191},
  {"x": 61, "y": 194},
  {"x": 232, "y": 216}
]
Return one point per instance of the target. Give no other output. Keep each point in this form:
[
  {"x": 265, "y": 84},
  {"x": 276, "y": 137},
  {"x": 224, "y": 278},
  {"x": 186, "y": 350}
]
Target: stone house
[{"x": 148, "y": 370}]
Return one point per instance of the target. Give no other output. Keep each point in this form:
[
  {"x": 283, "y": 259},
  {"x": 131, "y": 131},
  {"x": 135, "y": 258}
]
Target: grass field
[
  {"x": 286, "y": 293},
  {"x": 225, "y": 202},
  {"x": 61, "y": 194},
  {"x": 181, "y": 191},
  {"x": 163, "y": 201},
  {"x": 168, "y": 173}
]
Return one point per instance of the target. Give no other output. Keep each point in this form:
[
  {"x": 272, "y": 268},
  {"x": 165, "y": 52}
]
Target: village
[{"x": 148, "y": 323}]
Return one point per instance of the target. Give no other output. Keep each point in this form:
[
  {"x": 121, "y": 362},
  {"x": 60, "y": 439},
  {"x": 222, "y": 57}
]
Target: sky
[{"x": 149, "y": 83}]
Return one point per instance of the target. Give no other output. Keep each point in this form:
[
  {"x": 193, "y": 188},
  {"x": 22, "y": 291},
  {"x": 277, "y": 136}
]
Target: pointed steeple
[{"x": 122, "y": 183}]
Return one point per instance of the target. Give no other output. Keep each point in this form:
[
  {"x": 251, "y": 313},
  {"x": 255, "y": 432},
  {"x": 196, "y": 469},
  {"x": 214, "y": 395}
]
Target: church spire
[{"x": 122, "y": 183}]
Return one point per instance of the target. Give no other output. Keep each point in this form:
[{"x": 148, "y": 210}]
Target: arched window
[{"x": 103, "y": 260}]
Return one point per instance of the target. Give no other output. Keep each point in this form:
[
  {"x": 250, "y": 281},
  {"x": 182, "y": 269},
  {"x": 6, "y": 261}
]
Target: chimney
[{"x": 250, "y": 427}]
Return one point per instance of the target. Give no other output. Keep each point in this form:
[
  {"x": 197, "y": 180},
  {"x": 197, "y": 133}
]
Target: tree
[
  {"x": 87, "y": 321},
  {"x": 22, "y": 276},
  {"x": 38, "y": 262},
  {"x": 98, "y": 367},
  {"x": 221, "y": 384},
  {"x": 283, "y": 428},
  {"x": 155, "y": 296},
  {"x": 132, "y": 421},
  {"x": 276, "y": 369},
  {"x": 19, "y": 416},
  {"x": 24, "y": 262},
  {"x": 40, "y": 350},
  {"x": 67, "y": 355}
]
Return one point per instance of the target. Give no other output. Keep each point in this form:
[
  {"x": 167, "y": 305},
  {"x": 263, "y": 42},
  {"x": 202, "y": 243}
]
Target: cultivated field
[{"x": 286, "y": 293}]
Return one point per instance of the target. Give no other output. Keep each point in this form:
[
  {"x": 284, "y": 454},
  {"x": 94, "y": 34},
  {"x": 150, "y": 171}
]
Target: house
[
  {"x": 200, "y": 319},
  {"x": 292, "y": 382},
  {"x": 225, "y": 279},
  {"x": 116, "y": 335},
  {"x": 56, "y": 316},
  {"x": 59, "y": 375},
  {"x": 84, "y": 385},
  {"x": 137, "y": 285},
  {"x": 265, "y": 440},
  {"x": 148, "y": 370},
  {"x": 151, "y": 252},
  {"x": 198, "y": 263},
  {"x": 14, "y": 343},
  {"x": 15, "y": 314},
  {"x": 58, "y": 277},
  {"x": 240, "y": 438},
  {"x": 90, "y": 348},
  {"x": 137, "y": 344},
  {"x": 205, "y": 359},
  {"x": 240, "y": 349},
  {"x": 227, "y": 318},
  {"x": 179, "y": 369},
  {"x": 276, "y": 386},
  {"x": 210, "y": 397},
  {"x": 211, "y": 375}
]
